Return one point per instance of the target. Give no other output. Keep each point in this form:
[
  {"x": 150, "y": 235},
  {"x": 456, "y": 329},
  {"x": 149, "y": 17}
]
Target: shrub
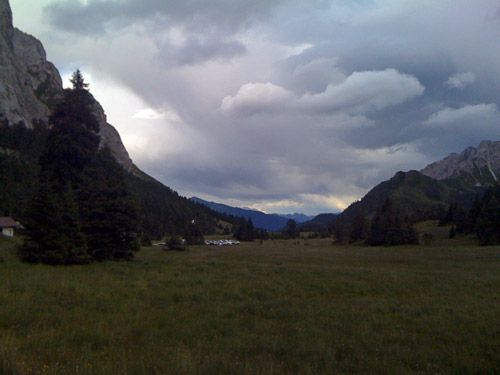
[{"x": 174, "y": 243}]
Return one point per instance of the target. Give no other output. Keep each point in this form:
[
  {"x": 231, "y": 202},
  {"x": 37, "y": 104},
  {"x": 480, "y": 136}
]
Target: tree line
[
  {"x": 482, "y": 218},
  {"x": 386, "y": 227}
]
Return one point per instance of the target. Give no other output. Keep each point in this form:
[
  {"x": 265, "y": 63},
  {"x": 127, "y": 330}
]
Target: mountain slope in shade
[
  {"x": 317, "y": 223},
  {"x": 270, "y": 222},
  {"x": 413, "y": 194}
]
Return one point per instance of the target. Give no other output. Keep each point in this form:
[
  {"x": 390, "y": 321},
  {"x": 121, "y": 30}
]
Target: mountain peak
[{"x": 481, "y": 165}]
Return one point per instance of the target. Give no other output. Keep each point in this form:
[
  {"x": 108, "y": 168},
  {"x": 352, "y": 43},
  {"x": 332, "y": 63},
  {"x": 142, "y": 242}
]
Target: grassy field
[{"x": 272, "y": 308}]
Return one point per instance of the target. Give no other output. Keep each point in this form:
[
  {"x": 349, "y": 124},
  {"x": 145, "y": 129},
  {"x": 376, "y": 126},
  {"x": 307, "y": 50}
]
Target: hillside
[
  {"x": 318, "y": 223},
  {"x": 421, "y": 195},
  {"x": 414, "y": 194}
]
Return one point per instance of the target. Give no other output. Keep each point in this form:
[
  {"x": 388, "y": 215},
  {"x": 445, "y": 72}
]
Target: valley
[
  {"x": 106, "y": 268},
  {"x": 281, "y": 307}
]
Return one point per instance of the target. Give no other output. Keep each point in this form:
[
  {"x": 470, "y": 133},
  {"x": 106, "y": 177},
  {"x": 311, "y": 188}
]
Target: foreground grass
[{"x": 276, "y": 308}]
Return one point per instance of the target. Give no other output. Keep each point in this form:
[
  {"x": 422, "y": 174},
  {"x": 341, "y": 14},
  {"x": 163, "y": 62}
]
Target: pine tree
[
  {"x": 72, "y": 142},
  {"x": 109, "y": 217},
  {"x": 250, "y": 230},
  {"x": 43, "y": 242},
  {"x": 358, "y": 228},
  {"x": 82, "y": 209},
  {"x": 78, "y": 81},
  {"x": 291, "y": 230},
  {"x": 53, "y": 233},
  {"x": 54, "y": 227}
]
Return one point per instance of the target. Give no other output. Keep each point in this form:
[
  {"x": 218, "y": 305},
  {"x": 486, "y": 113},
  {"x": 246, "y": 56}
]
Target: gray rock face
[
  {"x": 481, "y": 163},
  {"x": 20, "y": 77},
  {"x": 30, "y": 85},
  {"x": 111, "y": 137},
  {"x": 40, "y": 80}
]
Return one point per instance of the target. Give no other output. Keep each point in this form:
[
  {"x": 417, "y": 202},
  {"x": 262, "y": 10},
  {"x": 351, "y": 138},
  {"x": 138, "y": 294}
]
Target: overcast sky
[{"x": 282, "y": 105}]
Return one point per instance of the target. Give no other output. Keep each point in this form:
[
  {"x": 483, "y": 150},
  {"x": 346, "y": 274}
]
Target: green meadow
[{"x": 280, "y": 307}]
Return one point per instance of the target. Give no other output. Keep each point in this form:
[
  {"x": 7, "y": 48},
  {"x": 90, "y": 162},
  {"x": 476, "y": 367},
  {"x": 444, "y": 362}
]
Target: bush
[{"x": 174, "y": 244}]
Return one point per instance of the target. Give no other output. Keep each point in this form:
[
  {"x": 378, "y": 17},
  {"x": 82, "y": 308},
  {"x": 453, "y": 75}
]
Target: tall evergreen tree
[
  {"x": 53, "y": 233},
  {"x": 73, "y": 140},
  {"x": 358, "y": 228},
  {"x": 109, "y": 217},
  {"x": 291, "y": 230},
  {"x": 82, "y": 209},
  {"x": 250, "y": 230}
]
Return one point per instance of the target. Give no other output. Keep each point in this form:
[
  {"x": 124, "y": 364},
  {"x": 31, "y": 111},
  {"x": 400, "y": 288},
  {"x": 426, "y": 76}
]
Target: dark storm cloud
[
  {"x": 96, "y": 16},
  {"x": 206, "y": 26},
  {"x": 196, "y": 50}
]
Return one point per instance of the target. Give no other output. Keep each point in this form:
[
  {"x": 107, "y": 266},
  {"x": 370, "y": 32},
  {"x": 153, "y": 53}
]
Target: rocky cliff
[
  {"x": 480, "y": 165},
  {"x": 24, "y": 74},
  {"x": 30, "y": 85}
]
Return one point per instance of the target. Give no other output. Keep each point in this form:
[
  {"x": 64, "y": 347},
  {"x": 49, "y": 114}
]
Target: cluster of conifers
[{"x": 82, "y": 211}]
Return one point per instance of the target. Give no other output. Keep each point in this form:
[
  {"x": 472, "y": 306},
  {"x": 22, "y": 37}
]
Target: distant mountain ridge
[
  {"x": 299, "y": 218},
  {"x": 272, "y": 222}
]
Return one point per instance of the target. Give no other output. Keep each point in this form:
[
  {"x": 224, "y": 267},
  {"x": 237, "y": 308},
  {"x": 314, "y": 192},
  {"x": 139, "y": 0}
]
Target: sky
[{"x": 281, "y": 105}]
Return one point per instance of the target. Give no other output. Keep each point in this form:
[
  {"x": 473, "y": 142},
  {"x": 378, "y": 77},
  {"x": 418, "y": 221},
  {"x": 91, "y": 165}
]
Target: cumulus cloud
[
  {"x": 461, "y": 80},
  {"x": 471, "y": 115},
  {"x": 364, "y": 92},
  {"x": 361, "y": 92},
  {"x": 254, "y": 98},
  {"x": 455, "y": 129},
  {"x": 315, "y": 76}
]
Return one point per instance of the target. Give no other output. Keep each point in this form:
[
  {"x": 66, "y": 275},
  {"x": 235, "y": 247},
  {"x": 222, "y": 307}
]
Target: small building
[{"x": 7, "y": 225}]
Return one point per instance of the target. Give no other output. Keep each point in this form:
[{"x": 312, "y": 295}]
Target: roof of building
[{"x": 7, "y": 222}]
